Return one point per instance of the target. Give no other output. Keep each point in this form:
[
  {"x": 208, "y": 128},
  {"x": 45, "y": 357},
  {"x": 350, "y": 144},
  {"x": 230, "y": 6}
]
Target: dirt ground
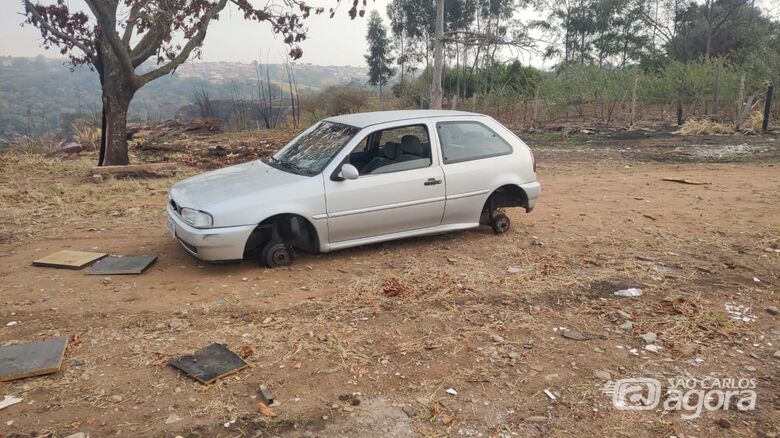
[{"x": 451, "y": 335}]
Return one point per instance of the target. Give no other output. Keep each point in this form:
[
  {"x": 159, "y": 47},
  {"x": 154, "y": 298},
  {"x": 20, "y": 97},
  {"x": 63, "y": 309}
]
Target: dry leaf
[{"x": 265, "y": 410}]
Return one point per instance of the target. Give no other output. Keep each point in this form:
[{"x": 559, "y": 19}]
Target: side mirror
[{"x": 349, "y": 171}]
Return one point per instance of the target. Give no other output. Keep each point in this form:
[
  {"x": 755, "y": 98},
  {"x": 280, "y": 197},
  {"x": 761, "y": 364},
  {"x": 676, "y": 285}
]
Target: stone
[
  {"x": 603, "y": 375},
  {"x": 649, "y": 337},
  {"x": 536, "y": 419},
  {"x": 410, "y": 411},
  {"x": 724, "y": 423},
  {"x": 173, "y": 418},
  {"x": 622, "y": 315},
  {"x": 772, "y": 310},
  {"x": 497, "y": 339},
  {"x": 627, "y": 326}
]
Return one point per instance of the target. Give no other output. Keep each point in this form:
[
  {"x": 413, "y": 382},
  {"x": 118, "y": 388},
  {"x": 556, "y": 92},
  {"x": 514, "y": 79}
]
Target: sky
[{"x": 336, "y": 41}]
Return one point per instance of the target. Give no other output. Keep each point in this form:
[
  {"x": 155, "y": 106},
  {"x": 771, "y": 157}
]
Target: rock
[
  {"x": 78, "y": 435},
  {"x": 410, "y": 411},
  {"x": 551, "y": 377},
  {"x": 497, "y": 339},
  {"x": 265, "y": 395},
  {"x": 69, "y": 148},
  {"x": 451, "y": 391},
  {"x": 536, "y": 419},
  {"x": 772, "y": 310},
  {"x": 97, "y": 178},
  {"x": 513, "y": 270},
  {"x": 578, "y": 336},
  {"x": 528, "y": 345},
  {"x": 107, "y": 280},
  {"x": 627, "y": 326},
  {"x": 777, "y": 354},
  {"x": 603, "y": 375},
  {"x": 513, "y": 355},
  {"x": 649, "y": 337},
  {"x": 622, "y": 315},
  {"x": 173, "y": 418},
  {"x": 724, "y": 423},
  {"x": 116, "y": 398}
]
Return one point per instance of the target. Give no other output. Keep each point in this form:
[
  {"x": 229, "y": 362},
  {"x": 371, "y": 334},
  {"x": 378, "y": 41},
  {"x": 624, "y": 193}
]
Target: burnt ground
[{"x": 367, "y": 341}]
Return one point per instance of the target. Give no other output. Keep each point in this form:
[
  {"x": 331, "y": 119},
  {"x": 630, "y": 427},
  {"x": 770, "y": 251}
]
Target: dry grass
[
  {"x": 88, "y": 137},
  {"x": 30, "y": 145},
  {"x": 704, "y": 127}
]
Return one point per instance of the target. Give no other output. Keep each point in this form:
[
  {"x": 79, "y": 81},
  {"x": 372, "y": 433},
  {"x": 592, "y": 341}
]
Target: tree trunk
[
  {"x": 114, "y": 149},
  {"x": 438, "y": 55},
  {"x": 118, "y": 88}
]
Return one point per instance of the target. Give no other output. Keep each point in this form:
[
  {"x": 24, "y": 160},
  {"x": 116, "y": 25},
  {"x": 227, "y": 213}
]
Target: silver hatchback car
[{"x": 354, "y": 180}]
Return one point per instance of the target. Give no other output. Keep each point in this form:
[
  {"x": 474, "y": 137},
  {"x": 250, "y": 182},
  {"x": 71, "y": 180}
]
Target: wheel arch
[
  {"x": 506, "y": 196},
  {"x": 289, "y": 227}
]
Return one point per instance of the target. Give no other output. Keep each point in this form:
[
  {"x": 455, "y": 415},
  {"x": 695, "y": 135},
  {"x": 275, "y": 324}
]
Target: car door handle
[{"x": 432, "y": 182}]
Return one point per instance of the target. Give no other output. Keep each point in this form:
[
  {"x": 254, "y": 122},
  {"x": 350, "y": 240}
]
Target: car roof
[{"x": 361, "y": 120}]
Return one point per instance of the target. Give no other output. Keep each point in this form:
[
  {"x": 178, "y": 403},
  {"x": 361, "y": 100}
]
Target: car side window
[
  {"x": 393, "y": 150},
  {"x": 468, "y": 140}
]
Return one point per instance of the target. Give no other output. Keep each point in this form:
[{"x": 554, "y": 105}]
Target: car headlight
[{"x": 196, "y": 218}]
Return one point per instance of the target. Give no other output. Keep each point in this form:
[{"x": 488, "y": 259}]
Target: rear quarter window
[{"x": 469, "y": 140}]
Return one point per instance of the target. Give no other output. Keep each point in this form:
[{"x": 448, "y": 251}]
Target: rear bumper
[
  {"x": 532, "y": 191},
  {"x": 211, "y": 244}
]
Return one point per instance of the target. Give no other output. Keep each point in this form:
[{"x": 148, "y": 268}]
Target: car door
[
  {"x": 397, "y": 191},
  {"x": 472, "y": 152}
]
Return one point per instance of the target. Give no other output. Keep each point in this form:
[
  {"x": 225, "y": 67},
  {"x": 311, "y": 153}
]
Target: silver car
[{"x": 354, "y": 180}]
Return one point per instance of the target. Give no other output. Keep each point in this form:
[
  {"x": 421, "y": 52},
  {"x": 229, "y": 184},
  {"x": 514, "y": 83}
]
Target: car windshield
[{"x": 312, "y": 151}]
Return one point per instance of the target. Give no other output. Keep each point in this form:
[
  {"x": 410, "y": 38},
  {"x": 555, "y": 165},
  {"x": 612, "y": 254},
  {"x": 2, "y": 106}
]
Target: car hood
[{"x": 208, "y": 190}]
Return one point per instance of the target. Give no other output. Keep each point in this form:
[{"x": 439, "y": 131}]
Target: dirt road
[{"x": 368, "y": 341}]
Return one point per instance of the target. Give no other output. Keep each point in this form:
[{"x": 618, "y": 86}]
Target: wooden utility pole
[
  {"x": 680, "y": 97},
  {"x": 767, "y": 106},
  {"x": 438, "y": 57}
]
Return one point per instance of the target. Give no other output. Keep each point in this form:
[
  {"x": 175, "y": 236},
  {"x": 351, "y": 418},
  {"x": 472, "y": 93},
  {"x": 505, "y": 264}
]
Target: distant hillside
[{"x": 36, "y": 92}]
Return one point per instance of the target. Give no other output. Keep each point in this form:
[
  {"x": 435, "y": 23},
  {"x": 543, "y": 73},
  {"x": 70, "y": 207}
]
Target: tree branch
[
  {"x": 194, "y": 42},
  {"x": 59, "y": 34},
  {"x": 132, "y": 19}
]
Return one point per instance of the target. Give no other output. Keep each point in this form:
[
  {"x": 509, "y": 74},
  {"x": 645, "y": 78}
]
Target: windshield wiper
[{"x": 289, "y": 165}]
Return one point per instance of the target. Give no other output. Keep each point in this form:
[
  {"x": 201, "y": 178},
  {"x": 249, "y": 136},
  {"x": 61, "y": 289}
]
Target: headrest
[
  {"x": 411, "y": 145},
  {"x": 391, "y": 150}
]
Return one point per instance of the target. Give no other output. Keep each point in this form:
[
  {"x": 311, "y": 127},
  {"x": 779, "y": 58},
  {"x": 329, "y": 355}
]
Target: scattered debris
[
  {"x": 209, "y": 364},
  {"x": 685, "y": 181},
  {"x": 121, "y": 265},
  {"x": 630, "y": 292},
  {"x": 265, "y": 410},
  {"x": 536, "y": 419},
  {"x": 31, "y": 359},
  {"x": 513, "y": 270},
  {"x": 66, "y": 149},
  {"x": 550, "y": 394},
  {"x": 451, "y": 391},
  {"x": 9, "y": 400},
  {"x": 265, "y": 395},
  {"x": 652, "y": 347},
  {"x": 756, "y": 280},
  {"x": 69, "y": 259},
  {"x": 11, "y": 323},
  {"x": 739, "y": 312}
]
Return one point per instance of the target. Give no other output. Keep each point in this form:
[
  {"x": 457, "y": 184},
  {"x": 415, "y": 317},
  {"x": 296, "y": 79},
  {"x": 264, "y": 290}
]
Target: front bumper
[
  {"x": 211, "y": 244},
  {"x": 532, "y": 191}
]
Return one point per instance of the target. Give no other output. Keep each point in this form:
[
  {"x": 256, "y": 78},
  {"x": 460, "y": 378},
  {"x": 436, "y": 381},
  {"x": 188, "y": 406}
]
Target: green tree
[{"x": 379, "y": 57}]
